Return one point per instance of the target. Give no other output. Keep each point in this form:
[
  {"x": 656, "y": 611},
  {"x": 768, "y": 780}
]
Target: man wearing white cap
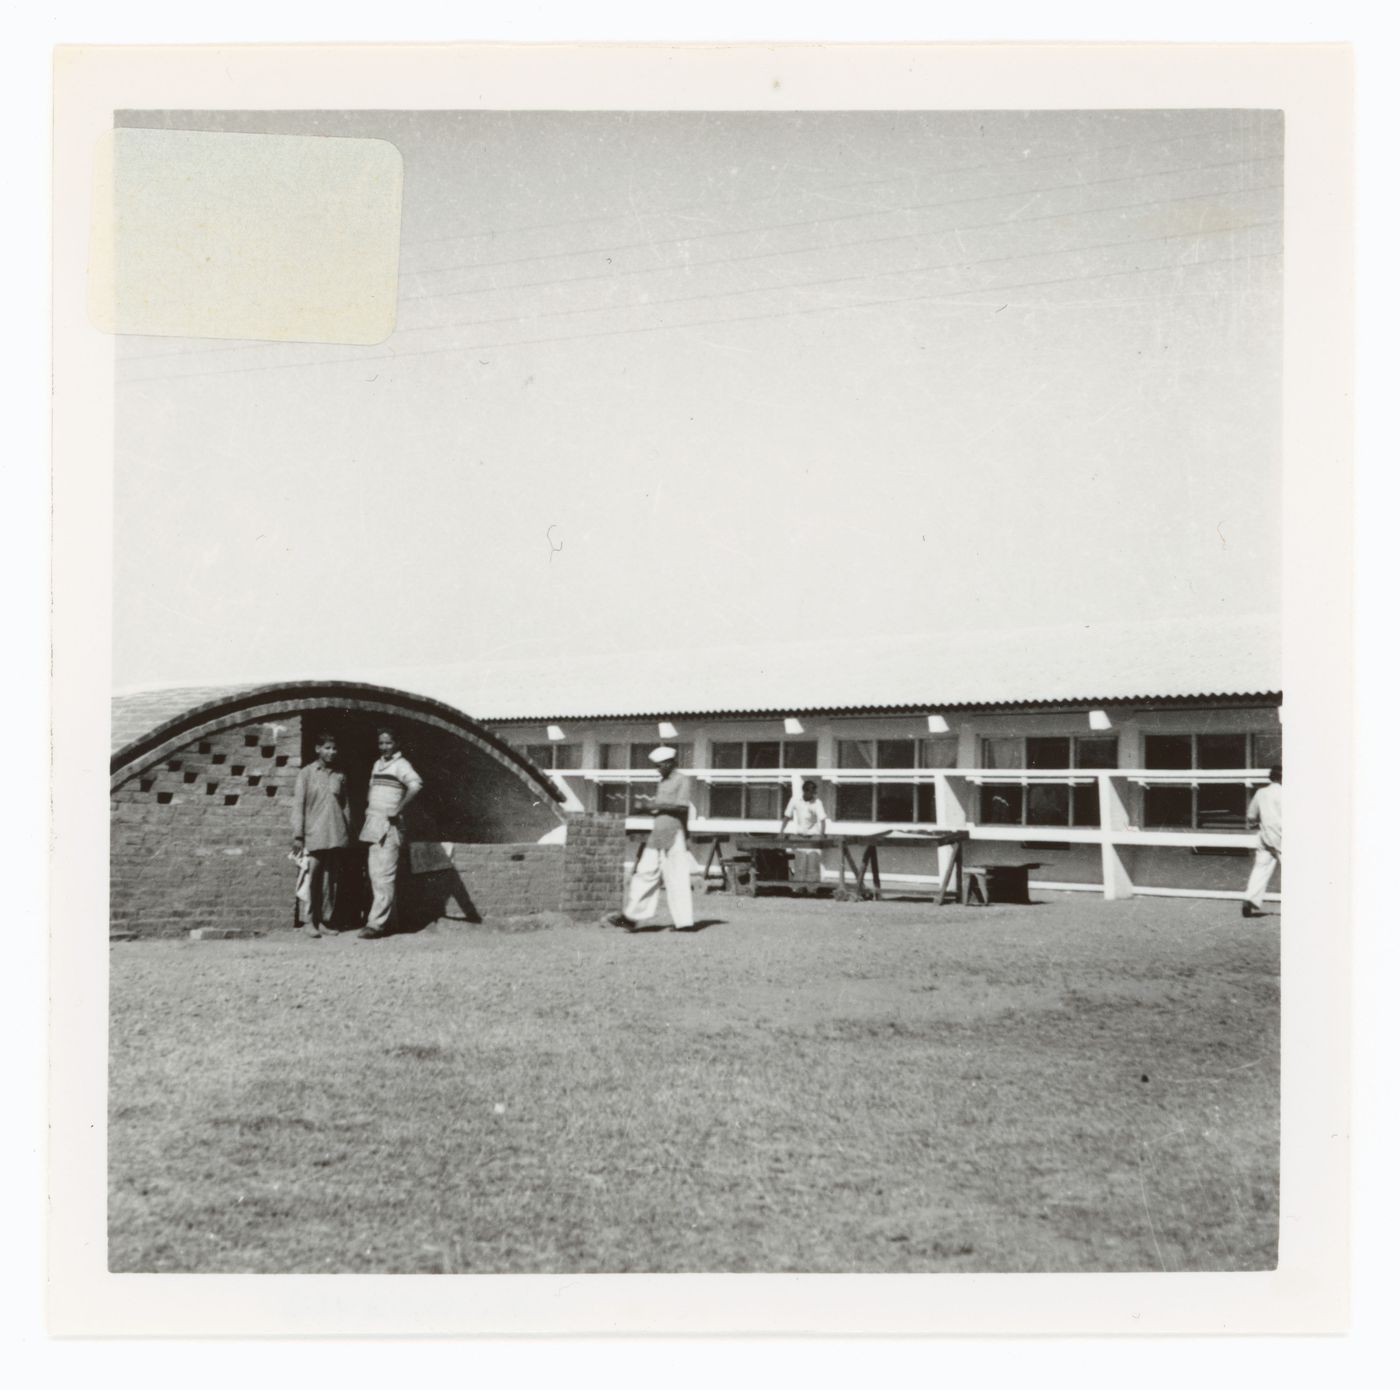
[{"x": 666, "y": 857}]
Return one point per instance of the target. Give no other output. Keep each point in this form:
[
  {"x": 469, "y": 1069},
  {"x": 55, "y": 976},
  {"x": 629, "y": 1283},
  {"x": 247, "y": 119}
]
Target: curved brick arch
[
  {"x": 264, "y": 704},
  {"x": 201, "y": 804}
]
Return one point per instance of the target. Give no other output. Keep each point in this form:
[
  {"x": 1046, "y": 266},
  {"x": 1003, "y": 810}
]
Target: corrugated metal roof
[
  {"x": 1089, "y": 661},
  {"x": 1073, "y": 663}
]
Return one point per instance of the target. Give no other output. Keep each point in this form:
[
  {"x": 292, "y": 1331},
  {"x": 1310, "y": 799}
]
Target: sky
[{"x": 661, "y": 382}]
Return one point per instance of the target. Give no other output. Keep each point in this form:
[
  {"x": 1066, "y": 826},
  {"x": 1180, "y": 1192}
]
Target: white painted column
[
  {"x": 957, "y": 797},
  {"x": 954, "y": 795},
  {"x": 1113, "y": 815}
]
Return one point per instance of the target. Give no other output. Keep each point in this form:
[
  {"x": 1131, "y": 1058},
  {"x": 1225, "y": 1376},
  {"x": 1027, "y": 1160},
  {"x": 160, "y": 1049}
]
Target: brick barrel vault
[{"x": 201, "y": 806}]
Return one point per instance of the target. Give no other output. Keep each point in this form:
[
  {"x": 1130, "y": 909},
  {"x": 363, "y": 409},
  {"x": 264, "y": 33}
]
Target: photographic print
[{"x": 695, "y": 691}]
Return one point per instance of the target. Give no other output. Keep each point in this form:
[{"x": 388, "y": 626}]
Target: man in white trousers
[
  {"x": 665, "y": 857},
  {"x": 392, "y": 785},
  {"x": 1266, "y": 813}
]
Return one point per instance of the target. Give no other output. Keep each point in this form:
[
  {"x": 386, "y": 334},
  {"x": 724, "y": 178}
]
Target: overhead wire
[
  {"x": 763, "y": 255},
  {"x": 844, "y": 279},
  {"x": 814, "y": 222},
  {"x": 994, "y": 290},
  {"x": 709, "y": 205}
]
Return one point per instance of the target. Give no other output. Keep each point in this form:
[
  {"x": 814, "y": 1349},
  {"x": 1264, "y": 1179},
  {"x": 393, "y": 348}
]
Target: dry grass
[{"x": 1077, "y": 1085}]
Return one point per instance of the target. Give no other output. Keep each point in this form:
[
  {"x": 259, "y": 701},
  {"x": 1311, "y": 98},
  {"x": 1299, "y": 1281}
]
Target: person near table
[
  {"x": 392, "y": 786},
  {"x": 665, "y": 860},
  {"x": 1266, "y": 815},
  {"x": 808, "y": 817},
  {"x": 321, "y": 832}
]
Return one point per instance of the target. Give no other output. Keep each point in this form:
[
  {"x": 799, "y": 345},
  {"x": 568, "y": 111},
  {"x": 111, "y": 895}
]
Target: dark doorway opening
[
  {"x": 356, "y": 751},
  {"x": 469, "y": 797}
]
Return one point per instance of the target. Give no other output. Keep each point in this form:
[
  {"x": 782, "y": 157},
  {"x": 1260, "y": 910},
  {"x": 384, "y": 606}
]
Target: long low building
[
  {"x": 1126, "y": 798},
  {"x": 1115, "y": 758}
]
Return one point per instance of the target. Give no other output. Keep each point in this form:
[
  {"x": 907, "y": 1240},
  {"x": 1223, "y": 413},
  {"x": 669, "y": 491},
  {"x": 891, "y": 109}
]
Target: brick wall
[
  {"x": 594, "y": 854},
  {"x": 201, "y": 839},
  {"x": 486, "y": 881},
  {"x": 582, "y": 877}
]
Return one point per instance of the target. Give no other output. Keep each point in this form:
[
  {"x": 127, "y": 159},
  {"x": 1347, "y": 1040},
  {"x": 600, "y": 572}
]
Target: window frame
[
  {"x": 769, "y": 779},
  {"x": 871, "y": 776},
  {"x": 529, "y": 750},
  {"x": 1182, "y": 783},
  {"x": 627, "y": 783},
  {"x": 1076, "y": 819},
  {"x": 746, "y": 790}
]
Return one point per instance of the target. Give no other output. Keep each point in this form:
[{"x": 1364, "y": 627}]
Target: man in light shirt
[
  {"x": 808, "y": 817},
  {"x": 392, "y": 785},
  {"x": 665, "y": 857},
  {"x": 321, "y": 831},
  {"x": 1265, "y": 814}
]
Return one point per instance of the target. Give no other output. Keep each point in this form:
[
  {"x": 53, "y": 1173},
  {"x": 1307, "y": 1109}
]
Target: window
[
  {"x": 899, "y": 803},
  {"x": 855, "y": 752},
  {"x": 636, "y": 757},
  {"x": 624, "y": 798},
  {"x": 1045, "y": 803},
  {"x": 1096, "y": 752},
  {"x": 555, "y": 757},
  {"x": 1266, "y": 750},
  {"x": 727, "y": 755},
  {"x": 1167, "y": 752},
  {"x": 757, "y": 800},
  {"x": 938, "y": 752},
  {"x": 749, "y": 800},
  {"x": 1003, "y": 753},
  {"x": 800, "y": 753},
  {"x": 1222, "y": 750},
  {"x": 897, "y": 753},
  {"x": 1222, "y": 807},
  {"x": 1050, "y": 754},
  {"x": 1003, "y": 805},
  {"x": 854, "y": 801},
  {"x": 1211, "y": 805}
]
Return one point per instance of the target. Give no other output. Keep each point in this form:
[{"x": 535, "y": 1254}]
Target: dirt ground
[{"x": 1076, "y": 1085}]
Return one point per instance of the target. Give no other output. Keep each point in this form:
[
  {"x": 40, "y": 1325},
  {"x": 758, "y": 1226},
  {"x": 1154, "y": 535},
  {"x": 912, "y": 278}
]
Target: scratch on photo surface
[{"x": 1147, "y": 1210}]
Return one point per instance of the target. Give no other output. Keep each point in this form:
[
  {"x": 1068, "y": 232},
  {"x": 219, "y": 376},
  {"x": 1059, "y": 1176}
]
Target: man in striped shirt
[{"x": 392, "y": 785}]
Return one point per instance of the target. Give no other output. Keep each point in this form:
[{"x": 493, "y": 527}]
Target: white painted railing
[{"x": 1119, "y": 789}]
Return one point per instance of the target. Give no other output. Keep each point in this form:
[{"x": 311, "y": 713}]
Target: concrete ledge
[{"x": 224, "y": 934}]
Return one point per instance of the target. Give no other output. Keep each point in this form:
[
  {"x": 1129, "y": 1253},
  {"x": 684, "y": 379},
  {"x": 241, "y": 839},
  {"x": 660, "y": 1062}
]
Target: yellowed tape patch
[{"x": 279, "y": 237}]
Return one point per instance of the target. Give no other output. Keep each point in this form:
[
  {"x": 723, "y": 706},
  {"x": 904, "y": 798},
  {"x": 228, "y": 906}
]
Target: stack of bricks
[
  {"x": 595, "y": 854},
  {"x": 201, "y": 838}
]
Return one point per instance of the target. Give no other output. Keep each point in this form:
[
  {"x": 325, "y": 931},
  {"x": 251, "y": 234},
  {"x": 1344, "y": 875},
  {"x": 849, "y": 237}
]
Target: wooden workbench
[{"x": 868, "y": 866}]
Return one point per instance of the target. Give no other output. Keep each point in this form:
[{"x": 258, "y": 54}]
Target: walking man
[
  {"x": 392, "y": 785},
  {"x": 1266, "y": 814},
  {"x": 808, "y": 817},
  {"x": 321, "y": 831},
  {"x": 665, "y": 857}
]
